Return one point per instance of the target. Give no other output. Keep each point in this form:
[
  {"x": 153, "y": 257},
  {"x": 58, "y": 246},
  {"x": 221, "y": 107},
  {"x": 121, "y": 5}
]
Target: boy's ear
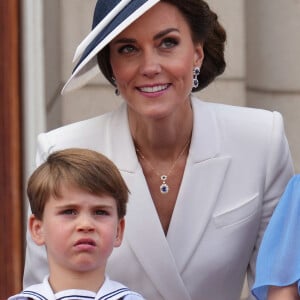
[
  {"x": 36, "y": 230},
  {"x": 120, "y": 232}
]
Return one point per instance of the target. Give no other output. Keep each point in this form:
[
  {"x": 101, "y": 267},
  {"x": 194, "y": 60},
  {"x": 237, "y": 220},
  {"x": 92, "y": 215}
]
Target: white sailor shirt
[{"x": 110, "y": 290}]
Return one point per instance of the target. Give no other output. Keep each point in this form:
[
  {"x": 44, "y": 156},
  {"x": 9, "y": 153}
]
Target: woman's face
[{"x": 153, "y": 60}]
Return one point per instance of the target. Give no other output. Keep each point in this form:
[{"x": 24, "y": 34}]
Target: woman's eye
[
  {"x": 127, "y": 49},
  {"x": 169, "y": 43}
]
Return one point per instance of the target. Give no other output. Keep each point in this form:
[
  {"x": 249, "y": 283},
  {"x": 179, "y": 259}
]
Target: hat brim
[{"x": 124, "y": 14}]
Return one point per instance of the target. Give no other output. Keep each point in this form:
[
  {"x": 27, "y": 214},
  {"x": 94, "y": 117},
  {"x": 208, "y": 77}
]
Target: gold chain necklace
[{"x": 164, "y": 187}]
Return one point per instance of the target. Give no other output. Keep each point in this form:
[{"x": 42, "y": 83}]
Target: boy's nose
[{"x": 85, "y": 224}]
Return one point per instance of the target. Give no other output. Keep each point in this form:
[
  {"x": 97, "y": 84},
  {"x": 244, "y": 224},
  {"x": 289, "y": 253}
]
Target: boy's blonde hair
[{"x": 86, "y": 169}]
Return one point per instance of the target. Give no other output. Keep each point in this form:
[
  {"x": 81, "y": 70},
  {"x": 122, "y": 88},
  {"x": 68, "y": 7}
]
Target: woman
[
  {"x": 204, "y": 178},
  {"x": 278, "y": 262}
]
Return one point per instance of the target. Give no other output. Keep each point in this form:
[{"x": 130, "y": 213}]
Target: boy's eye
[
  {"x": 69, "y": 212},
  {"x": 101, "y": 212},
  {"x": 169, "y": 42}
]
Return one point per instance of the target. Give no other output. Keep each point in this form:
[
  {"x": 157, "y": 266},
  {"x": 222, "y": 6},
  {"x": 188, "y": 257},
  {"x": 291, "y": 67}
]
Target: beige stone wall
[
  {"x": 273, "y": 63},
  {"x": 263, "y": 64}
]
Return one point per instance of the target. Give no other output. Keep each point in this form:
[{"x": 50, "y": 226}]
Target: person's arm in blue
[{"x": 278, "y": 261}]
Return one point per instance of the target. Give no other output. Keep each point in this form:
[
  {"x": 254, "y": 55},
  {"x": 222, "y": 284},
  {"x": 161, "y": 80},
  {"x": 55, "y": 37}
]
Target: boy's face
[{"x": 79, "y": 230}]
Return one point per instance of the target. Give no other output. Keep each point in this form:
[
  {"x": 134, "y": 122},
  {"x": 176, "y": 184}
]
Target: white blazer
[{"x": 238, "y": 165}]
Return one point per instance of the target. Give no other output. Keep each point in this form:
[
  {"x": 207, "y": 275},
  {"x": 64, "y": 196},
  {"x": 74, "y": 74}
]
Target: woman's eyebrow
[
  {"x": 156, "y": 37},
  {"x": 164, "y": 32}
]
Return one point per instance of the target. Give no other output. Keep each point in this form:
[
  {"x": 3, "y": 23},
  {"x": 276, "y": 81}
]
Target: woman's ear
[
  {"x": 36, "y": 230},
  {"x": 199, "y": 55},
  {"x": 120, "y": 233}
]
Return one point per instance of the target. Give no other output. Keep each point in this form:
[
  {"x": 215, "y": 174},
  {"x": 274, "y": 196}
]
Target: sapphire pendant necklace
[{"x": 164, "y": 187}]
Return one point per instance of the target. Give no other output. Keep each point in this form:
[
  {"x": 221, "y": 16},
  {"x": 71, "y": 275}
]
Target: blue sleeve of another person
[{"x": 278, "y": 261}]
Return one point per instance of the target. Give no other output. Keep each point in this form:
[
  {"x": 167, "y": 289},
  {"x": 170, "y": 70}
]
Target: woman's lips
[{"x": 154, "y": 88}]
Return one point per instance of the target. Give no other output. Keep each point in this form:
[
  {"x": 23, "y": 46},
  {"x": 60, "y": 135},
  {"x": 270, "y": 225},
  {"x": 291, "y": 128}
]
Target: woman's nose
[{"x": 150, "y": 64}]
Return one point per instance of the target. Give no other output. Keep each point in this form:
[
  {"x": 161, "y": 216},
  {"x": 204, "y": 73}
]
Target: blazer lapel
[
  {"x": 201, "y": 185},
  {"x": 199, "y": 192}
]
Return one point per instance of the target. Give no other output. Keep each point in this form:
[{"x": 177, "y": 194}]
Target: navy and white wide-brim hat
[{"x": 111, "y": 17}]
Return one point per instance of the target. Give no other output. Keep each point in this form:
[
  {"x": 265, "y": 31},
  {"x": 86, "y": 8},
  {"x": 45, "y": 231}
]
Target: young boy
[{"x": 78, "y": 201}]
